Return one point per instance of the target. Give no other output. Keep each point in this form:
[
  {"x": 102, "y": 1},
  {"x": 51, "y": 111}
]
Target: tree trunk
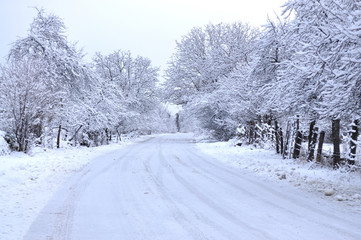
[
  {"x": 26, "y": 134},
  {"x": 310, "y": 134},
  {"x": 177, "y": 122},
  {"x": 297, "y": 147},
  {"x": 75, "y": 135},
  {"x": 312, "y": 144},
  {"x": 119, "y": 137},
  {"x": 319, "y": 147},
  {"x": 106, "y": 136},
  {"x": 259, "y": 133},
  {"x": 285, "y": 152},
  {"x": 96, "y": 138},
  {"x": 277, "y": 137},
  {"x": 58, "y": 137},
  {"x": 336, "y": 142},
  {"x": 281, "y": 140},
  {"x": 251, "y": 132},
  {"x": 353, "y": 142},
  {"x": 269, "y": 123},
  {"x": 298, "y": 140}
]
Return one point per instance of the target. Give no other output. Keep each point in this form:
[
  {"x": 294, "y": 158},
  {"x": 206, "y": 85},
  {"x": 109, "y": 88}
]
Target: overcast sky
[{"x": 145, "y": 27}]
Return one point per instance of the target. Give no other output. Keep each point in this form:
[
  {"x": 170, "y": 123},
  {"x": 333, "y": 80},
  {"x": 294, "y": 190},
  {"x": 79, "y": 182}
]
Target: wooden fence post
[
  {"x": 319, "y": 147},
  {"x": 336, "y": 142},
  {"x": 312, "y": 144}
]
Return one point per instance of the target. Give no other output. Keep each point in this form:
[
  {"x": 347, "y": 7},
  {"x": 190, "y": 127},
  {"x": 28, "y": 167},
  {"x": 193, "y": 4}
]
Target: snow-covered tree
[
  {"x": 205, "y": 55},
  {"x": 24, "y": 103},
  {"x": 45, "y": 57},
  {"x": 199, "y": 73},
  {"x": 323, "y": 70},
  {"x": 270, "y": 52},
  {"x": 131, "y": 83}
]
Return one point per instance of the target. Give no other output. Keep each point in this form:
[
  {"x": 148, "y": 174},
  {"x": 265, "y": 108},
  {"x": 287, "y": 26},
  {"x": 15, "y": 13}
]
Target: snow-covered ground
[
  {"x": 335, "y": 185},
  {"x": 27, "y": 182},
  {"x": 173, "y": 191},
  {"x": 165, "y": 188}
]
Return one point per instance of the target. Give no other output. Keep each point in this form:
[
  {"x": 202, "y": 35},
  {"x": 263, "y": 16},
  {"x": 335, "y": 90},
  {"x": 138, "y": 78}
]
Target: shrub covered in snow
[{"x": 4, "y": 146}]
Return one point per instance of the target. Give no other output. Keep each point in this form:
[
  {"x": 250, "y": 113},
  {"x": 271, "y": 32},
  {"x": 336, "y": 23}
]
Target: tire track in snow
[
  {"x": 257, "y": 233},
  {"x": 282, "y": 198},
  {"x": 166, "y": 196},
  {"x": 199, "y": 216},
  {"x": 185, "y": 214},
  {"x": 56, "y": 219},
  {"x": 129, "y": 177}
]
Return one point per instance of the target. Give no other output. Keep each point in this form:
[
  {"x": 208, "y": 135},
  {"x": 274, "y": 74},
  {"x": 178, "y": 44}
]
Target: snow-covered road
[{"x": 165, "y": 188}]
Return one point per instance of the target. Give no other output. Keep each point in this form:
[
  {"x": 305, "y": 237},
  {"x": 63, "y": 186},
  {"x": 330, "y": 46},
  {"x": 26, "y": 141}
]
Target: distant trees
[
  {"x": 298, "y": 78},
  {"x": 199, "y": 71},
  {"x": 49, "y": 94},
  {"x": 133, "y": 84}
]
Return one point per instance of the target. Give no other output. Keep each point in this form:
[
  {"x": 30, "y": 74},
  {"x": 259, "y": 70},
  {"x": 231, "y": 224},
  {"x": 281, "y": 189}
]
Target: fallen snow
[
  {"x": 337, "y": 185},
  {"x": 27, "y": 182},
  {"x": 165, "y": 188}
]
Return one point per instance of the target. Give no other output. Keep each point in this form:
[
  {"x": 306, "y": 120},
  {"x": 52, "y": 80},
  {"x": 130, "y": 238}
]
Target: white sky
[{"x": 145, "y": 27}]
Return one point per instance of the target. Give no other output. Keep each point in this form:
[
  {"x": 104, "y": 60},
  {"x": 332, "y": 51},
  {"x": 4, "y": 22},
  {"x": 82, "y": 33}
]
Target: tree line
[
  {"x": 297, "y": 80},
  {"x": 50, "y": 94}
]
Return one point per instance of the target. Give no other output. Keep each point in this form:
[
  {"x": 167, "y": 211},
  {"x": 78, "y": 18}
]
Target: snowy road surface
[{"x": 164, "y": 188}]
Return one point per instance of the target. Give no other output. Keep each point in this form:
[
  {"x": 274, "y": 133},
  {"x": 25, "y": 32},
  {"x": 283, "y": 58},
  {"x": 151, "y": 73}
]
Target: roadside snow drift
[
  {"x": 27, "y": 182},
  {"x": 338, "y": 185}
]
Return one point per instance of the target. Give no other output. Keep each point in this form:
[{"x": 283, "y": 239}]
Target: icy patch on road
[
  {"x": 27, "y": 182},
  {"x": 338, "y": 185}
]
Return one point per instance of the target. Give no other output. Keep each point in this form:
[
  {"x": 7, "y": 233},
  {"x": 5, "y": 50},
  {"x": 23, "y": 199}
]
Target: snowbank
[
  {"x": 27, "y": 182},
  {"x": 338, "y": 185}
]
